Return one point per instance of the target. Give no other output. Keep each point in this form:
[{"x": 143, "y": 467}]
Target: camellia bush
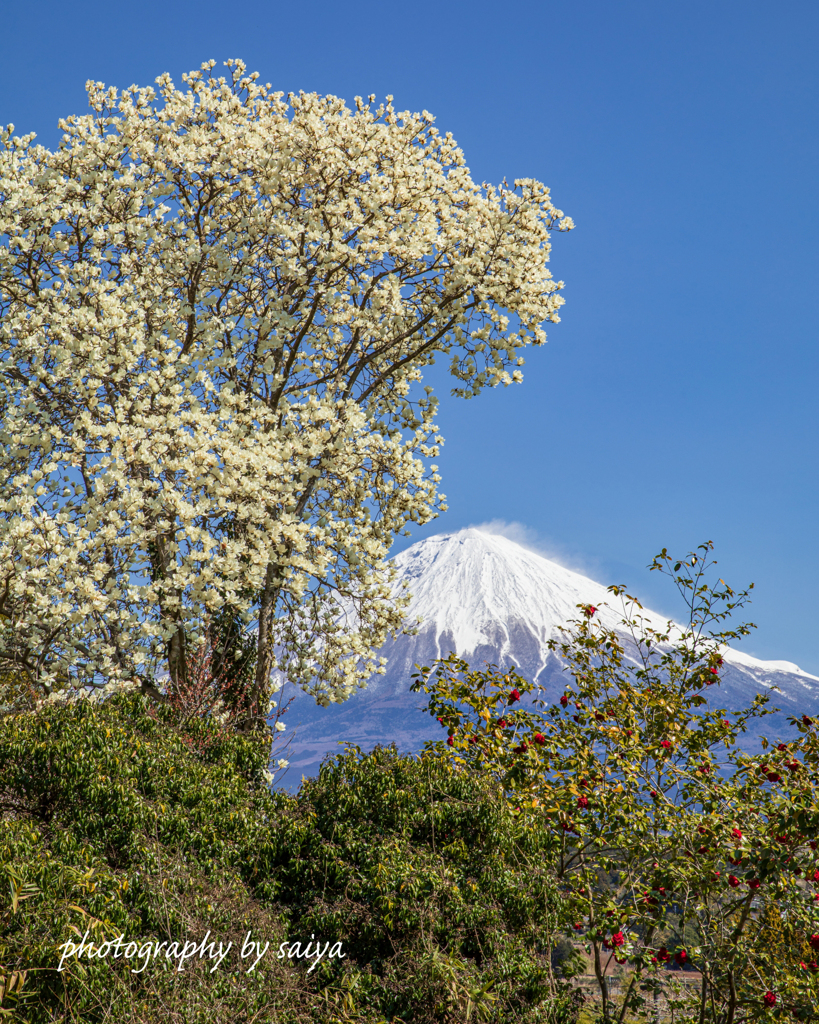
[
  {"x": 216, "y": 307},
  {"x": 672, "y": 848}
]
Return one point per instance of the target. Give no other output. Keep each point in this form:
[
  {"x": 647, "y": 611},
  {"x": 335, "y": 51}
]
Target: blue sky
[{"x": 676, "y": 401}]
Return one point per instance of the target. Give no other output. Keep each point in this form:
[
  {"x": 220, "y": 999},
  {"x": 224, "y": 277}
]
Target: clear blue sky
[{"x": 677, "y": 400}]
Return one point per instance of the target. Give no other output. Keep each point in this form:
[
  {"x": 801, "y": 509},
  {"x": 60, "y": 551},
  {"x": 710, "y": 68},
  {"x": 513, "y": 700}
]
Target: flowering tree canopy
[{"x": 216, "y": 306}]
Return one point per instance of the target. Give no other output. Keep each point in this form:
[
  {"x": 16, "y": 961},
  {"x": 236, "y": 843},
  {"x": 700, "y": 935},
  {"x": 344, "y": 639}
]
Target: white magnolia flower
[{"x": 214, "y": 322}]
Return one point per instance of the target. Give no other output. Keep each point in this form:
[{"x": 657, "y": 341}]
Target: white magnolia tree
[{"x": 216, "y": 305}]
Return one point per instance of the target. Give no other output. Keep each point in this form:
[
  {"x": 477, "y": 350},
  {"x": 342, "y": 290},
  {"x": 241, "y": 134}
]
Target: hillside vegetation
[{"x": 116, "y": 819}]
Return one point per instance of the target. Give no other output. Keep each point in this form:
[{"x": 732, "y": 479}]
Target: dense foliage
[{"x": 115, "y": 819}]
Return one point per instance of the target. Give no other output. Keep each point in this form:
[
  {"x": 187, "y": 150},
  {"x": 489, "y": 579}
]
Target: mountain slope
[{"x": 491, "y": 600}]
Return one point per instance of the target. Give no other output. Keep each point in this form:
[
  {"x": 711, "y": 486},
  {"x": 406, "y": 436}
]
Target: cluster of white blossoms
[{"x": 216, "y": 305}]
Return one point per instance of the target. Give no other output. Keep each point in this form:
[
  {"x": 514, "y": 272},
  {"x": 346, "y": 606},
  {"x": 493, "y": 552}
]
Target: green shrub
[{"x": 115, "y": 820}]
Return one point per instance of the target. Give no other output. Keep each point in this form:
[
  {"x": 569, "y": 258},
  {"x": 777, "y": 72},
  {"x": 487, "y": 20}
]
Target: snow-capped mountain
[{"x": 492, "y": 600}]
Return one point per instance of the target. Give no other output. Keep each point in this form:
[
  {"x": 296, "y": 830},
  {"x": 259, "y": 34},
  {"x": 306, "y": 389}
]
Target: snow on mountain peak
[
  {"x": 489, "y": 599},
  {"x": 465, "y": 584}
]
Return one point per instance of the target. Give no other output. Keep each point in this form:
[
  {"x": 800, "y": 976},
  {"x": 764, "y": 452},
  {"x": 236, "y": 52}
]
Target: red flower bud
[
  {"x": 806, "y": 720},
  {"x": 654, "y": 793},
  {"x": 564, "y": 700},
  {"x": 769, "y": 999},
  {"x": 441, "y": 721}
]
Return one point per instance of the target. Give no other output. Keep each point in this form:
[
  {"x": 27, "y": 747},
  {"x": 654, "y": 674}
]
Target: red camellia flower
[
  {"x": 473, "y": 739},
  {"x": 564, "y": 700},
  {"x": 663, "y": 955},
  {"x": 501, "y": 723},
  {"x": 812, "y": 844},
  {"x": 774, "y": 777},
  {"x": 806, "y": 720},
  {"x": 599, "y": 716},
  {"x": 513, "y": 696},
  {"x": 451, "y": 742},
  {"x": 441, "y": 721},
  {"x": 681, "y": 957},
  {"x": 726, "y": 723},
  {"x": 769, "y": 999},
  {"x": 754, "y": 883},
  {"x": 813, "y": 941},
  {"x": 589, "y": 610},
  {"x": 654, "y": 793},
  {"x": 733, "y": 881},
  {"x": 782, "y": 746},
  {"x": 540, "y": 738},
  {"x": 578, "y": 926},
  {"x": 736, "y": 833},
  {"x": 665, "y": 744},
  {"x": 583, "y": 801},
  {"x": 618, "y": 939}
]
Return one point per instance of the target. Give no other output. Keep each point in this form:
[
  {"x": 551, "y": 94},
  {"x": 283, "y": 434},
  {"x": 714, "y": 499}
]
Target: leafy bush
[
  {"x": 115, "y": 821},
  {"x": 672, "y": 847}
]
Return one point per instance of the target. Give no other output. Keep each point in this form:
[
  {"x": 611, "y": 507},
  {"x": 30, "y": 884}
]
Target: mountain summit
[{"x": 490, "y": 599}]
